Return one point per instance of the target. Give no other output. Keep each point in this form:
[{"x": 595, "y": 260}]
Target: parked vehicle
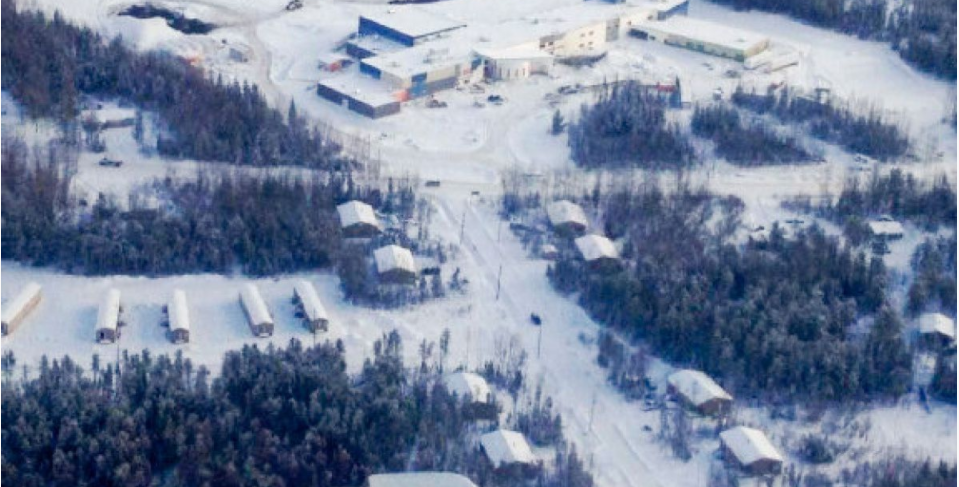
[{"x": 106, "y": 162}]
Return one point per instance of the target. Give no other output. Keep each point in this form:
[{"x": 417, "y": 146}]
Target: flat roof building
[
  {"x": 703, "y": 36},
  {"x": 749, "y": 450},
  {"x": 406, "y": 25},
  {"x": 17, "y": 309}
]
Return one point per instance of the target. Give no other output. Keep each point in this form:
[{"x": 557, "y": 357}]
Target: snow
[
  {"x": 696, "y": 386},
  {"x": 504, "y": 447},
  {"x": 468, "y": 384},
  {"x": 109, "y": 315},
  {"x": 394, "y": 257},
  {"x": 310, "y": 300},
  {"x": 885, "y": 228},
  {"x": 15, "y": 307},
  {"x": 419, "y": 479},
  {"x": 749, "y": 445},
  {"x": 562, "y": 212},
  {"x": 705, "y": 31},
  {"x": 256, "y": 309},
  {"x": 937, "y": 323},
  {"x": 356, "y": 212},
  {"x": 413, "y": 21},
  {"x": 178, "y": 311},
  {"x": 593, "y": 247}
]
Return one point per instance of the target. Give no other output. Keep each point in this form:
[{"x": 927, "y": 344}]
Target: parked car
[
  {"x": 535, "y": 319},
  {"x": 107, "y": 162}
]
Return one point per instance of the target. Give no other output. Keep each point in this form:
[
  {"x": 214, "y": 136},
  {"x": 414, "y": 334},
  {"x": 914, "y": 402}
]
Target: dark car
[{"x": 535, "y": 319}]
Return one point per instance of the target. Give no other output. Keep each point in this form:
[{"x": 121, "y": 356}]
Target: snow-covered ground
[{"x": 468, "y": 149}]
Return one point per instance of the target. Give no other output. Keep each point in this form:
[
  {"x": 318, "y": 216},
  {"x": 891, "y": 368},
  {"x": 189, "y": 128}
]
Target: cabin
[
  {"x": 418, "y": 479},
  {"x": 886, "y": 229},
  {"x": 598, "y": 251},
  {"x": 506, "y": 448},
  {"x": 257, "y": 314},
  {"x": 567, "y": 218},
  {"x": 108, "y": 318},
  {"x": 309, "y": 308},
  {"x": 17, "y": 309},
  {"x": 357, "y": 220},
  {"x": 749, "y": 450},
  {"x": 936, "y": 329},
  {"x": 178, "y": 318},
  {"x": 468, "y": 385},
  {"x": 395, "y": 265},
  {"x": 699, "y": 392}
]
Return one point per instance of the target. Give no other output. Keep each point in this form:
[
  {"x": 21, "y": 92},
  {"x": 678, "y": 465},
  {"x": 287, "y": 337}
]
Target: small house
[
  {"x": 419, "y": 479},
  {"x": 504, "y": 448},
  {"x": 468, "y": 385},
  {"x": 357, "y": 220},
  {"x": 257, "y": 314},
  {"x": 567, "y": 218},
  {"x": 886, "y": 229},
  {"x": 698, "y": 391},
  {"x": 17, "y": 309},
  {"x": 936, "y": 329},
  {"x": 749, "y": 450},
  {"x": 108, "y": 318},
  {"x": 178, "y": 318},
  {"x": 395, "y": 264},
  {"x": 309, "y": 307},
  {"x": 598, "y": 251}
]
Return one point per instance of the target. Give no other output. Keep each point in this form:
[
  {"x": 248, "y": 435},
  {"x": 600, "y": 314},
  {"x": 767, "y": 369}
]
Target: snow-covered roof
[
  {"x": 354, "y": 212},
  {"x": 413, "y": 21},
  {"x": 885, "y": 228},
  {"x": 749, "y": 445},
  {"x": 698, "y": 387},
  {"x": 594, "y": 247},
  {"x": 312, "y": 305},
  {"x": 394, "y": 257},
  {"x": 513, "y": 53},
  {"x": 504, "y": 447},
  {"x": 177, "y": 311},
  {"x": 937, "y": 323},
  {"x": 560, "y": 212},
  {"x": 254, "y": 305},
  {"x": 705, "y": 31},
  {"x": 469, "y": 384},
  {"x": 109, "y": 313},
  {"x": 13, "y": 308},
  {"x": 419, "y": 479}
]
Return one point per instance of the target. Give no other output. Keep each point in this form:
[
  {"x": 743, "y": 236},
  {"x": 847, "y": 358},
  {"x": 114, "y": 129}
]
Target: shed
[
  {"x": 750, "y": 450},
  {"x": 419, "y": 479},
  {"x": 700, "y": 392},
  {"x": 257, "y": 314},
  {"x": 17, "y": 309},
  {"x": 886, "y": 229},
  {"x": 357, "y": 219},
  {"x": 598, "y": 251},
  {"x": 309, "y": 306},
  {"x": 108, "y": 318},
  {"x": 468, "y": 384},
  {"x": 937, "y": 327},
  {"x": 395, "y": 264},
  {"x": 504, "y": 448},
  {"x": 567, "y": 218},
  {"x": 178, "y": 317}
]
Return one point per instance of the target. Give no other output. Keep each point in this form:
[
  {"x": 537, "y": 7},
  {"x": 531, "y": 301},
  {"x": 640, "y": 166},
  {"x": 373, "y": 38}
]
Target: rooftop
[
  {"x": 254, "y": 304},
  {"x": 937, "y": 323},
  {"x": 885, "y": 227},
  {"x": 504, "y": 447},
  {"x": 469, "y": 384},
  {"x": 363, "y": 88},
  {"x": 697, "y": 387},
  {"x": 394, "y": 257},
  {"x": 419, "y": 479},
  {"x": 354, "y": 212},
  {"x": 177, "y": 311},
  {"x": 13, "y": 307},
  {"x": 413, "y": 21},
  {"x": 749, "y": 445},
  {"x": 706, "y": 31},
  {"x": 564, "y": 211},
  {"x": 594, "y": 247}
]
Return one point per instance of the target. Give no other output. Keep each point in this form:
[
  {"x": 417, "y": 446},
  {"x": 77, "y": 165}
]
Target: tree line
[
  {"x": 743, "y": 142},
  {"x": 274, "y": 417},
  {"x": 52, "y": 65},
  {"x": 774, "y": 316}
]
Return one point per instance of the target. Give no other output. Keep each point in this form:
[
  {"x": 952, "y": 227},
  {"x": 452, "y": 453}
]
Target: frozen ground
[{"x": 468, "y": 148}]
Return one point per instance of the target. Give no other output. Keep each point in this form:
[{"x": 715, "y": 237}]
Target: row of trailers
[{"x": 176, "y": 312}]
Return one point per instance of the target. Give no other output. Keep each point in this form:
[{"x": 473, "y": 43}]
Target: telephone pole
[{"x": 499, "y": 278}]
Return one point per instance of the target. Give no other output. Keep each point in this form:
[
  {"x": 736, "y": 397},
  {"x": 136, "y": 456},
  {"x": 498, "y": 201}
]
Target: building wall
[
  {"x": 577, "y": 41},
  {"x": 738, "y": 54},
  {"x": 369, "y": 27},
  {"x": 18, "y": 319},
  {"x": 179, "y": 336},
  {"x": 106, "y": 335}
]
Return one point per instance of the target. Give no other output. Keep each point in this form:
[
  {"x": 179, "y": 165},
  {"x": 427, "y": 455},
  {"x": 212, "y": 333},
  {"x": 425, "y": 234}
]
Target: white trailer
[
  {"x": 309, "y": 307},
  {"x": 17, "y": 309},
  {"x": 257, "y": 314},
  {"x": 178, "y": 317},
  {"x": 108, "y": 319}
]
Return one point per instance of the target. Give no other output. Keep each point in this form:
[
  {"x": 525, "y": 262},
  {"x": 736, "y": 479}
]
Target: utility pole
[
  {"x": 592, "y": 408},
  {"x": 463, "y": 223},
  {"x": 499, "y": 278},
  {"x": 499, "y": 230},
  {"x": 539, "y": 341}
]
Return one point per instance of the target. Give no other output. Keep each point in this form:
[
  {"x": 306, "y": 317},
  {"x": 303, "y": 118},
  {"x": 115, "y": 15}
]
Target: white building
[
  {"x": 257, "y": 314},
  {"x": 468, "y": 385},
  {"x": 108, "y": 317},
  {"x": 937, "y": 324},
  {"x": 750, "y": 450},
  {"x": 17, "y": 309},
  {"x": 886, "y": 228},
  {"x": 597, "y": 250},
  {"x": 419, "y": 479},
  {"x": 504, "y": 447},
  {"x": 308, "y": 303},
  {"x": 515, "y": 62},
  {"x": 703, "y": 36},
  {"x": 357, "y": 219},
  {"x": 178, "y": 317},
  {"x": 395, "y": 264},
  {"x": 699, "y": 391},
  {"x": 567, "y": 217}
]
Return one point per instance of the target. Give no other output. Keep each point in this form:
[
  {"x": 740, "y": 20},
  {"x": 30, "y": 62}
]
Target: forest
[
  {"x": 779, "y": 317},
  {"x": 53, "y": 66},
  {"x": 861, "y": 130},
  {"x": 273, "y": 417},
  {"x": 923, "y": 32},
  {"x": 627, "y": 127},
  {"x": 934, "y": 285},
  {"x": 744, "y": 142}
]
